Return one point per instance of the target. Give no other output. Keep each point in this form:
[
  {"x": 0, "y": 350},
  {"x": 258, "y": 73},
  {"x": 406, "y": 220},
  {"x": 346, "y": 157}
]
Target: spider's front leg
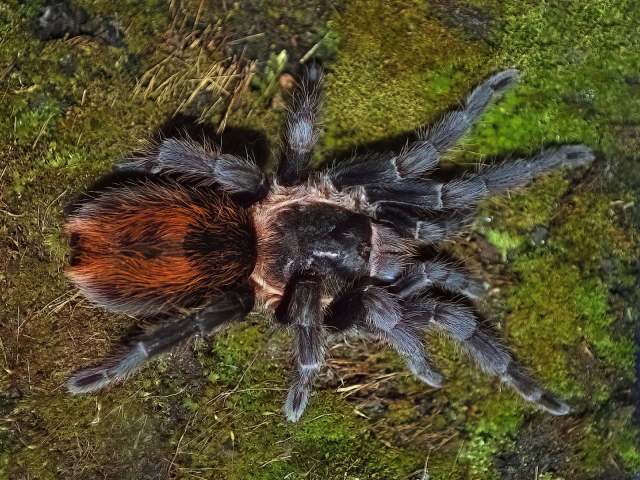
[
  {"x": 230, "y": 306},
  {"x": 301, "y": 309},
  {"x": 424, "y": 154},
  {"x": 203, "y": 166}
]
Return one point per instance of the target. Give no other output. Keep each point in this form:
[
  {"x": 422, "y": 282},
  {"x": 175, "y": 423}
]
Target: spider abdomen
[{"x": 153, "y": 247}]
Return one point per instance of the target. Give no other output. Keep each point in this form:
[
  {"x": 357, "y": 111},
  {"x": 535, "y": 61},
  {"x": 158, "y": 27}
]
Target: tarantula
[{"x": 206, "y": 234}]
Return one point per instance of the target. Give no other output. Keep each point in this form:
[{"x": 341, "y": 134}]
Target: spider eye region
[{"x": 327, "y": 239}]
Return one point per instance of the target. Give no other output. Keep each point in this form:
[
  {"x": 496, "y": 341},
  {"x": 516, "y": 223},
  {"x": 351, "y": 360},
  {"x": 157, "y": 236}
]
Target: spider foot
[
  {"x": 296, "y": 403},
  {"x": 553, "y": 404}
]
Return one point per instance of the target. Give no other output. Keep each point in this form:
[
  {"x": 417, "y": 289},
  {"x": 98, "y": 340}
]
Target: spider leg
[
  {"x": 423, "y": 154},
  {"x": 376, "y": 310},
  {"x": 300, "y": 130},
  {"x": 301, "y": 309},
  {"x": 461, "y": 324},
  {"x": 464, "y": 193},
  {"x": 396, "y": 261},
  {"x": 421, "y": 224},
  {"x": 454, "y": 125},
  {"x": 231, "y": 306},
  {"x": 467, "y": 192},
  {"x": 203, "y": 166},
  {"x": 439, "y": 273}
]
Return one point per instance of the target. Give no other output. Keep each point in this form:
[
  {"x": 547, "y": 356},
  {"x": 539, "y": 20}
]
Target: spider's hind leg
[
  {"x": 376, "y": 310},
  {"x": 233, "y": 305}
]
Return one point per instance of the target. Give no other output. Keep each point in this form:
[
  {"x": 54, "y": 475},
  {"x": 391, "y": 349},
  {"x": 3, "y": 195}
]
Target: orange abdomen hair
[{"x": 150, "y": 247}]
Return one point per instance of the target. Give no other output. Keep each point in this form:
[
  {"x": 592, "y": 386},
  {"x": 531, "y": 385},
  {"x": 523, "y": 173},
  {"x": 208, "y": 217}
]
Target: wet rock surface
[{"x": 66, "y": 20}]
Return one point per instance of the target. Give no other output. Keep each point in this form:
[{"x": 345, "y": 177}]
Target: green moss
[
  {"x": 102, "y": 437},
  {"x": 549, "y": 476},
  {"x": 503, "y": 241},
  {"x": 232, "y": 353},
  {"x": 391, "y": 77},
  {"x": 490, "y": 434},
  {"x": 557, "y": 305},
  {"x": 590, "y": 233},
  {"x": 519, "y": 213},
  {"x": 35, "y": 118},
  {"x": 240, "y": 432},
  {"x": 615, "y": 431}
]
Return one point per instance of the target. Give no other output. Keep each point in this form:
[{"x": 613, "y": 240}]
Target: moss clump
[
  {"x": 238, "y": 432},
  {"x": 562, "y": 308},
  {"x": 491, "y": 434},
  {"x": 503, "y": 241},
  {"x": 392, "y": 76}
]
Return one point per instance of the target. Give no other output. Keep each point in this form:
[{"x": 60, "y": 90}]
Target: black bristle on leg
[
  {"x": 418, "y": 193},
  {"x": 455, "y": 124},
  {"x": 346, "y": 310}
]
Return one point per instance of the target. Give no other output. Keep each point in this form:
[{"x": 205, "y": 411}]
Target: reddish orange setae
[{"x": 150, "y": 247}]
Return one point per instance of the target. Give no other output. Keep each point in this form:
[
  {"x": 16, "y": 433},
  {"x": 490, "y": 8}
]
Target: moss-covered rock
[{"x": 564, "y": 286}]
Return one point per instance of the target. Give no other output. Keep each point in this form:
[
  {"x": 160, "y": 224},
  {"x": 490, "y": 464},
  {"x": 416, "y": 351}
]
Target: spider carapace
[{"x": 206, "y": 236}]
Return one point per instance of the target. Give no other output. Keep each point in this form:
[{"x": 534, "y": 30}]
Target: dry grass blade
[{"x": 193, "y": 66}]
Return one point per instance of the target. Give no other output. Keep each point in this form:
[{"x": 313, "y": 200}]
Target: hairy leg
[
  {"x": 301, "y": 309},
  {"x": 409, "y": 270},
  {"x": 464, "y": 193},
  {"x": 203, "y": 166},
  {"x": 300, "y": 130},
  {"x": 467, "y": 192},
  {"x": 228, "y": 307},
  {"x": 417, "y": 223},
  {"x": 461, "y": 324},
  {"x": 423, "y": 154},
  {"x": 439, "y": 273},
  {"x": 454, "y": 125},
  {"x": 376, "y": 310}
]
